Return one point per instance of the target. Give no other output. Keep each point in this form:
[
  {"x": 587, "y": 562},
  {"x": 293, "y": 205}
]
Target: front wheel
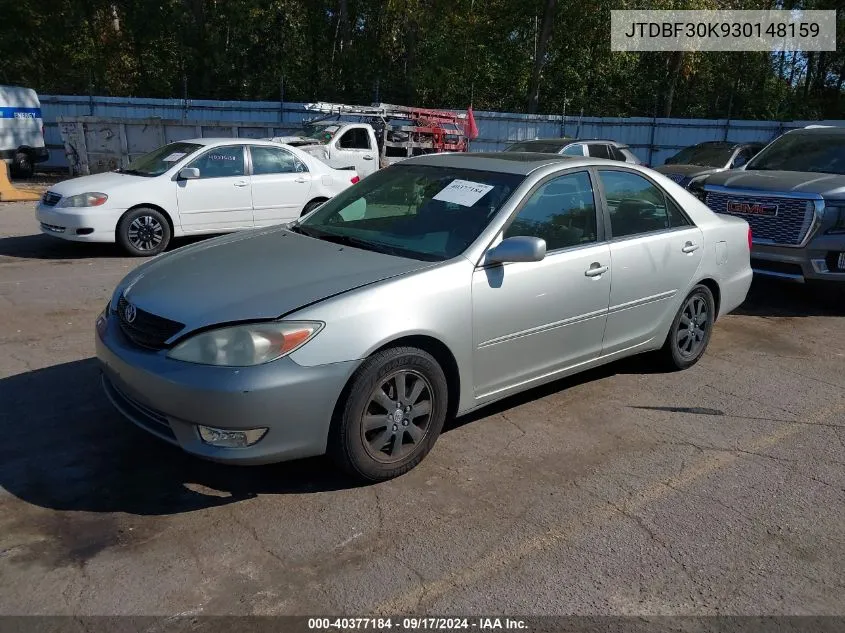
[
  {"x": 392, "y": 414},
  {"x": 691, "y": 329},
  {"x": 22, "y": 166},
  {"x": 143, "y": 232}
]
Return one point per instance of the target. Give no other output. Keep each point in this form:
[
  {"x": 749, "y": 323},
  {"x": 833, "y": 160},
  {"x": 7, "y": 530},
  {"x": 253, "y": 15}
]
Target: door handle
[
  {"x": 596, "y": 269},
  {"x": 301, "y": 179},
  {"x": 241, "y": 183},
  {"x": 367, "y": 157},
  {"x": 690, "y": 247}
]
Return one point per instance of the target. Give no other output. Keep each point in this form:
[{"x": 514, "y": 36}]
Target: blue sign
[{"x": 20, "y": 113}]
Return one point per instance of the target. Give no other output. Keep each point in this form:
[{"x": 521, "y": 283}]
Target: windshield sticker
[
  {"x": 463, "y": 192},
  {"x": 172, "y": 158}
]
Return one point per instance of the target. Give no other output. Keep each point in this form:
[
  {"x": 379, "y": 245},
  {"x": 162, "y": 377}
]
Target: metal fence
[{"x": 652, "y": 139}]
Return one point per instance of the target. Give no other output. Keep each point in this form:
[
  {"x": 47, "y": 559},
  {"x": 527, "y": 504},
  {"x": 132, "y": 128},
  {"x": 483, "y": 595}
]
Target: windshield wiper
[{"x": 130, "y": 172}]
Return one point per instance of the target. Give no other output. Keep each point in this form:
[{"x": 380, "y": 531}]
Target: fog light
[{"x": 230, "y": 439}]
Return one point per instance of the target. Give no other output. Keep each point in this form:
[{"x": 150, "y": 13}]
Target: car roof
[
  {"x": 566, "y": 140},
  {"x": 820, "y": 130},
  {"x": 227, "y": 141},
  {"x": 522, "y": 163}
]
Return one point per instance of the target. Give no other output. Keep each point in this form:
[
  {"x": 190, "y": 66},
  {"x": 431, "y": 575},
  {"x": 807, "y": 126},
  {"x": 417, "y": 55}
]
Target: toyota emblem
[{"x": 130, "y": 313}]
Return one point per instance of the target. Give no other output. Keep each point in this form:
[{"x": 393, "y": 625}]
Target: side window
[
  {"x": 677, "y": 217},
  {"x": 356, "y": 138},
  {"x": 576, "y": 149},
  {"x": 742, "y": 157},
  {"x": 618, "y": 154},
  {"x": 221, "y": 162},
  {"x": 273, "y": 160},
  {"x": 562, "y": 212},
  {"x": 598, "y": 150},
  {"x": 635, "y": 205}
]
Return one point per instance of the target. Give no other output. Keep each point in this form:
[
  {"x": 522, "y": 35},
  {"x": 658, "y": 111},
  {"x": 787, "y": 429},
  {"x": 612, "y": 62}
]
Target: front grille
[
  {"x": 678, "y": 178},
  {"x": 143, "y": 416},
  {"x": 790, "y": 226},
  {"x": 52, "y": 228},
  {"x": 146, "y": 330},
  {"x": 50, "y": 199}
]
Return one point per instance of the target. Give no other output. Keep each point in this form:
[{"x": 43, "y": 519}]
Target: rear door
[
  {"x": 655, "y": 251},
  {"x": 220, "y": 198},
  {"x": 281, "y": 185}
]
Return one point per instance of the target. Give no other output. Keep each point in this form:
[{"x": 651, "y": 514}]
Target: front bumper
[
  {"x": 93, "y": 224},
  {"x": 169, "y": 398},
  {"x": 818, "y": 261}
]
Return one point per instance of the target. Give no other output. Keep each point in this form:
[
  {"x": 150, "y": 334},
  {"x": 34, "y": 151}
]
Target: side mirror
[
  {"x": 519, "y": 248},
  {"x": 189, "y": 173}
]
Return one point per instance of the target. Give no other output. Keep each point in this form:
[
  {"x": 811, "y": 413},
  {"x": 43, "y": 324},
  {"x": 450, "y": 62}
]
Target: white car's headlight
[
  {"x": 88, "y": 199},
  {"x": 245, "y": 345}
]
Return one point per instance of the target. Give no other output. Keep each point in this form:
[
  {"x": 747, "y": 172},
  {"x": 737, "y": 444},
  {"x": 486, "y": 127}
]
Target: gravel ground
[{"x": 719, "y": 490}]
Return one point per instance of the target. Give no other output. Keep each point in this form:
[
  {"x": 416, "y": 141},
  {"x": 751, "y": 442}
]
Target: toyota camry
[{"x": 429, "y": 289}]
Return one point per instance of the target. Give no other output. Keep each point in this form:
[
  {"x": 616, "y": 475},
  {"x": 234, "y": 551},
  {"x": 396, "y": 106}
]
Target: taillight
[
  {"x": 749, "y": 238},
  {"x": 354, "y": 179}
]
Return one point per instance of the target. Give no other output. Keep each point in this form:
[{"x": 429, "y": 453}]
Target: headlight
[
  {"x": 839, "y": 214},
  {"x": 244, "y": 345},
  {"x": 88, "y": 199}
]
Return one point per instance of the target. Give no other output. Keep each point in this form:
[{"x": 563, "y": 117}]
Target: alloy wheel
[{"x": 397, "y": 417}]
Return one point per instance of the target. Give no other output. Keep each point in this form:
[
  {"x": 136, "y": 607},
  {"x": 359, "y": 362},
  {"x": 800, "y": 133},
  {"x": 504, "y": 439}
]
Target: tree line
[{"x": 545, "y": 56}]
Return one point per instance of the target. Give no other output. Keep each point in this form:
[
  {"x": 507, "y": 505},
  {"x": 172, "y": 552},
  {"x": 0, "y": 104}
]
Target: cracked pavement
[{"x": 719, "y": 490}]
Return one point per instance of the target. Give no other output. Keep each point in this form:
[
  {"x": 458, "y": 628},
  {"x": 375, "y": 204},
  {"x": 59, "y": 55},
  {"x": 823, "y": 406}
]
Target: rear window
[
  {"x": 803, "y": 152},
  {"x": 543, "y": 148}
]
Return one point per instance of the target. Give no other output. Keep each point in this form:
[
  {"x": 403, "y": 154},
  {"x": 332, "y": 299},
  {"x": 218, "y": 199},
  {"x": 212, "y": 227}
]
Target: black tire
[
  {"x": 22, "y": 165},
  {"x": 143, "y": 232},
  {"x": 308, "y": 208},
  {"x": 363, "y": 436},
  {"x": 687, "y": 339}
]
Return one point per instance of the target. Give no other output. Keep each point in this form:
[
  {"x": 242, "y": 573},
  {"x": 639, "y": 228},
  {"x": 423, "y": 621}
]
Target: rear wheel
[
  {"x": 143, "y": 232},
  {"x": 22, "y": 165},
  {"x": 392, "y": 415},
  {"x": 691, "y": 330},
  {"x": 310, "y": 207}
]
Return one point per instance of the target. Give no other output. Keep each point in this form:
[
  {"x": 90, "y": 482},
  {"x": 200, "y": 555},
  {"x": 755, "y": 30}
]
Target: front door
[
  {"x": 355, "y": 148},
  {"x": 655, "y": 252},
  {"x": 534, "y": 319},
  {"x": 220, "y": 198},
  {"x": 281, "y": 184}
]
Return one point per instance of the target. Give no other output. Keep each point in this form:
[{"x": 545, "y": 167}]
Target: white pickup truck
[{"x": 339, "y": 144}]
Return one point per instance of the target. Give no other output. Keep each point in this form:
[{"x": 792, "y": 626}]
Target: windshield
[
  {"x": 533, "y": 146},
  {"x": 159, "y": 161},
  {"x": 417, "y": 211},
  {"x": 803, "y": 152},
  {"x": 320, "y": 133},
  {"x": 704, "y": 154}
]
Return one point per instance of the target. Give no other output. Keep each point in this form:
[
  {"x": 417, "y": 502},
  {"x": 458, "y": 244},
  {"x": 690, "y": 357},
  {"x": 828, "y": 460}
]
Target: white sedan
[{"x": 192, "y": 187}]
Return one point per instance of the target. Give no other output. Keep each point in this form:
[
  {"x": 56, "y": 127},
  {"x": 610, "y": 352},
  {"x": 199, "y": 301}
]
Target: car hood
[
  {"x": 253, "y": 275},
  {"x": 102, "y": 183},
  {"x": 827, "y": 185},
  {"x": 687, "y": 171}
]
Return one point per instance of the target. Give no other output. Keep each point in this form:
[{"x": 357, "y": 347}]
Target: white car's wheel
[{"x": 143, "y": 232}]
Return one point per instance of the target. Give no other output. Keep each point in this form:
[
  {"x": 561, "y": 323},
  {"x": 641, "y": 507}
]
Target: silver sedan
[{"x": 431, "y": 288}]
